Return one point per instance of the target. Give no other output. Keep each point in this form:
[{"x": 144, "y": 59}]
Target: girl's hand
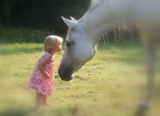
[{"x": 45, "y": 75}]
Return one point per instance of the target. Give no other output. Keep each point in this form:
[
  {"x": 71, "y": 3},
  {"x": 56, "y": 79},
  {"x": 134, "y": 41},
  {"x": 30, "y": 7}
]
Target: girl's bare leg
[
  {"x": 38, "y": 100},
  {"x": 44, "y": 101}
]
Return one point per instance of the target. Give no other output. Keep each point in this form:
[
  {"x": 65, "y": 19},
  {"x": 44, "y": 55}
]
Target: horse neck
[{"x": 107, "y": 16}]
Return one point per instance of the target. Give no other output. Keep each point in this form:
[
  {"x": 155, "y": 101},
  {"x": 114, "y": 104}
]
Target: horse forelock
[{"x": 70, "y": 35}]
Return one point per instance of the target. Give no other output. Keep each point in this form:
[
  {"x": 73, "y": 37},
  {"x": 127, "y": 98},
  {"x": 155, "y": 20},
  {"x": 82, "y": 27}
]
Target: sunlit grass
[{"x": 112, "y": 84}]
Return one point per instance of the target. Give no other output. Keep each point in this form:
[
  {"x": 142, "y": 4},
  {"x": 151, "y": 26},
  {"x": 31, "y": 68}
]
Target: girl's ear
[{"x": 70, "y": 23}]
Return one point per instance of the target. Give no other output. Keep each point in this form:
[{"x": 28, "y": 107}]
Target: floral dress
[{"x": 43, "y": 86}]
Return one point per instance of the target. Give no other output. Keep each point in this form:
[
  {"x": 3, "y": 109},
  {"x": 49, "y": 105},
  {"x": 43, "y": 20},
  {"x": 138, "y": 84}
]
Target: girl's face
[{"x": 57, "y": 47}]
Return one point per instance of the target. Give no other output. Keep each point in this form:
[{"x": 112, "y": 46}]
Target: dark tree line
[{"x": 40, "y": 14}]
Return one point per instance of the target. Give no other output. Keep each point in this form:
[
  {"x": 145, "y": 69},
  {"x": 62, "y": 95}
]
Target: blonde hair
[{"x": 50, "y": 41}]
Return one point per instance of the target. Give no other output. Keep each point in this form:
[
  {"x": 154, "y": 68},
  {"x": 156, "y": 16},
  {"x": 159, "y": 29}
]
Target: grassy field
[{"x": 112, "y": 84}]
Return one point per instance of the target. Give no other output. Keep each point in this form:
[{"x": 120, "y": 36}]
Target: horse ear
[
  {"x": 70, "y": 23},
  {"x": 73, "y": 19}
]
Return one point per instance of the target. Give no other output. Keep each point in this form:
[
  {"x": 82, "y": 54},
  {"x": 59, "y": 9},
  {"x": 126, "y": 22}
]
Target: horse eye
[{"x": 68, "y": 43}]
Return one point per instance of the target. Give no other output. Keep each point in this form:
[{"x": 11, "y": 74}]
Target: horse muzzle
[{"x": 65, "y": 74}]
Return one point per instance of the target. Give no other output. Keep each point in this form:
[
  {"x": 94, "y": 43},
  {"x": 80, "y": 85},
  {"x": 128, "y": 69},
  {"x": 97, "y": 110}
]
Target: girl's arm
[{"x": 41, "y": 66}]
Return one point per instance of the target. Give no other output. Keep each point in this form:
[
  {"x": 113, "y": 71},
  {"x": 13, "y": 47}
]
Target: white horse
[{"x": 103, "y": 16}]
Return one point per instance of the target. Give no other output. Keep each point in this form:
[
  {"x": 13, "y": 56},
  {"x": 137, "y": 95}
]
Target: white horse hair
[{"x": 104, "y": 16}]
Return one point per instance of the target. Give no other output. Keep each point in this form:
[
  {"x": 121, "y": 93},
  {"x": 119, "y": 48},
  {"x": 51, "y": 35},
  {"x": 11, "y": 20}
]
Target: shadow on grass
[
  {"x": 41, "y": 112},
  {"x": 21, "y": 112},
  {"x": 12, "y": 112}
]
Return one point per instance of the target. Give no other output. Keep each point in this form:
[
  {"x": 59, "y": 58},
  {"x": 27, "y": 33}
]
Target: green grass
[{"x": 112, "y": 84}]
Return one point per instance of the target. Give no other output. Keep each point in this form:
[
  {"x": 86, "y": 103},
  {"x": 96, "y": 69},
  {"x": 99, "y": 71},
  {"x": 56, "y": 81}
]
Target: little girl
[{"x": 42, "y": 79}]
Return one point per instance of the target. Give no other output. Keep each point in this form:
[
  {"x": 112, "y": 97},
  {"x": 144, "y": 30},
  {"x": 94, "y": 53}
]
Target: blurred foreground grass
[{"x": 113, "y": 83}]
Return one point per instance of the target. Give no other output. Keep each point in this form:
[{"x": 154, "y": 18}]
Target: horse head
[{"x": 80, "y": 48}]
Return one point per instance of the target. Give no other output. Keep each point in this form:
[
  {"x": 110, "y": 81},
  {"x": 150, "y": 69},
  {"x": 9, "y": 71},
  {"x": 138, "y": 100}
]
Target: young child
[{"x": 42, "y": 79}]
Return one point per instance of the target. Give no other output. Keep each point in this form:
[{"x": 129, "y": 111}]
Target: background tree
[{"x": 40, "y": 14}]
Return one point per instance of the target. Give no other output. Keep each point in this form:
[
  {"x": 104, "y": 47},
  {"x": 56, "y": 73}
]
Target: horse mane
[{"x": 95, "y": 3}]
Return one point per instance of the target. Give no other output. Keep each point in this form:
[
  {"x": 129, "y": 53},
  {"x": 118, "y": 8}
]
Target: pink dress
[{"x": 36, "y": 82}]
